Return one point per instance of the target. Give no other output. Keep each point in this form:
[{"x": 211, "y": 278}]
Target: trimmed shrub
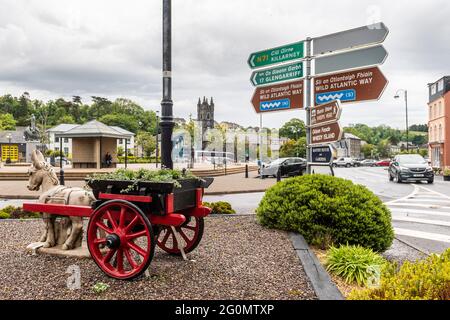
[
  {"x": 220, "y": 207},
  {"x": 11, "y": 212},
  {"x": 4, "y": 215},
  {"x": 328, "y": 211},
  {"x": 354, "y": 263},
  {"x": 427, "y": 279}
]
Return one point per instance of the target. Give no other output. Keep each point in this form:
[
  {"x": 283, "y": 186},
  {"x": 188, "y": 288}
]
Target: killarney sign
[
  {"x": 279, "y": 97},
  {"x": 327, "y": 133},
  {"x": 321, "y": 154},
  {"x": 325, "y": 113},
  {"x": 352, "y": 86},
  {"x": 278, "y": 74},
  {"x": 277, "y": 55},
  {"x": 350, "y": 39},
  {"x": 351, "y": 60}
]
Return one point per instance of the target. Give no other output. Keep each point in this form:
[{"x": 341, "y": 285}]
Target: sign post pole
[{"x": 308, "y": 95}]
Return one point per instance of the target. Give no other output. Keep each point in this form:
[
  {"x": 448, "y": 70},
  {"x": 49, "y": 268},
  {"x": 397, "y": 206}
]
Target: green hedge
[
  {"x": 11, "y": 212},
  {"x": 427, "y": 279},
  {"x": 220, "y": 207},
  {"x": 328, "y": 211}
]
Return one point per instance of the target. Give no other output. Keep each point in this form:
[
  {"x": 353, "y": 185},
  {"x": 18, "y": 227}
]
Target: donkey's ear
[
  {"x": 33, "y": 157},
  {"x": 39, "y": 156}
]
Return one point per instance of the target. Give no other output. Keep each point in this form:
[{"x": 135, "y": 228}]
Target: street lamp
[
  {"x": 157, "y": 138},
  {"x": 397, "y": 96}
]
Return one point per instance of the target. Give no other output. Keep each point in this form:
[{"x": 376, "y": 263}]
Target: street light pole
[
  {"x": 397, "y": 95},
  {"x": 157, "y": 138},
  {"x": 61, "y": 169},
  {"x": 167, "y": 123}
]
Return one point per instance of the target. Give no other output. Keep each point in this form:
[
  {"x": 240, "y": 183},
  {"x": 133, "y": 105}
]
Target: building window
[
  {"x": 430, "y": 112},
  {"x": 440, "y": 109},
  {"x": 57, "y": 139},
  {"x": 57, "y": 149},
  {"x": 120, "y": 141},
  {"x": 66, "y": 140},
  {"x": 66, "y": 151},
  {"x": 440, "y": 132},
  {"x": 435, "y": 133}
]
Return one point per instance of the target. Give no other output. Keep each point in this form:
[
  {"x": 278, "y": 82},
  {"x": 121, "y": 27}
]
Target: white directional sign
[
  {"x": 351, "y": 60},
  {"x": 363, "y": 36}
]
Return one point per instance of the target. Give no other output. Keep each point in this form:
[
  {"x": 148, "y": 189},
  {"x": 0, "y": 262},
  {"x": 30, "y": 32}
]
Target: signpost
[
  {"x": 327, "y": 133},
  {"x": 351, "y": 60},
  {"x": 277, "y": 55},
  {"x": 363, "y": 36},
  {"x": 278, "y": 97},
  {"x": 278, "y": 74},
  {"x": 352, "y": 86},
  {"x": 328, "y": 82},
  {"x": 326, "y": 113},
  {"x": 321, "y": 155}
]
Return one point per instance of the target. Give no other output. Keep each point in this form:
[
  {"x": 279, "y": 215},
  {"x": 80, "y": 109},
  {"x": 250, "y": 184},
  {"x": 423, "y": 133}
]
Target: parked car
[
  {"x": 288, "y": 167},
  {"x": 410, "y": 168},
  {"x": 384, "y": 163},
  {"x": 344, "y": 162},
  {"x": 368, "y": 163}
]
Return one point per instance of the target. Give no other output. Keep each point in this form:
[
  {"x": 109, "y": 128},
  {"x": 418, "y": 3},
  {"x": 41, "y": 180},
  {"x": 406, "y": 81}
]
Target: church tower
[{"x": 205, "y": 113}]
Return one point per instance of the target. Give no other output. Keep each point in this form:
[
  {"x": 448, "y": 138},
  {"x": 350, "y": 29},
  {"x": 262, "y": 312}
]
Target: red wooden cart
[{"x": 124, "y": 227}]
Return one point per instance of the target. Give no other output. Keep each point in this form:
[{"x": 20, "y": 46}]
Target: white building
[{"x": 54, "y": 142}]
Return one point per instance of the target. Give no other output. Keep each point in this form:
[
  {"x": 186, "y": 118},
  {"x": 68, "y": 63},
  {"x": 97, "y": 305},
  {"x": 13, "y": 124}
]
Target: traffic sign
[
  {"x": 281, "y": 54},
  {"x": 351, "y": 86},
  {"x": 278, "y": 74},
  {"x": 363, "y": 36},
  {"x": 284, "y": 96},
  {"x": 326, "y": 113},
  {"x": 327, "y": 133},
  {"x": 351, "y": 60},
  {"x": 321, "y": 154}
]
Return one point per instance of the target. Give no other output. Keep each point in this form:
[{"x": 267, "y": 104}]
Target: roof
[
  {"x": 17, "y": 136},
  {"x": 122, "y": 130},
  {"x": 94, "y": 129},
  {"x": 350, "y": 136},
  {"x": 63, "y": 127}
]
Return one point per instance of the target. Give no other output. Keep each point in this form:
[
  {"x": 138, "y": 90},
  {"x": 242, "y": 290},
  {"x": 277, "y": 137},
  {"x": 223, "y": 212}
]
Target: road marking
[
  {"x": 428, "y": 200},
  {"x": 423, "y": 212},
  {"x": 422, "y": 221},
  {"x": 418, "y": 205},
  {"x": 422, "y": 235},
  {"x": 413, "y": 194}
]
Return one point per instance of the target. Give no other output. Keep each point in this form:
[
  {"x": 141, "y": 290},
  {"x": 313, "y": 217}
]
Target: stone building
[{"x": 205, "y": 113}]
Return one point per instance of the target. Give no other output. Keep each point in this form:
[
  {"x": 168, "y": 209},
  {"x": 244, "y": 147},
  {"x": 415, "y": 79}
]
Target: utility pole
[
  {"x": 407, "y": 122},
  {"x": 167, "y": 123}
]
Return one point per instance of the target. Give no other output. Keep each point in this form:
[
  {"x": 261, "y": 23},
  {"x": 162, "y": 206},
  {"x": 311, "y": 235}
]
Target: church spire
[{"x": 212, "y": 101}]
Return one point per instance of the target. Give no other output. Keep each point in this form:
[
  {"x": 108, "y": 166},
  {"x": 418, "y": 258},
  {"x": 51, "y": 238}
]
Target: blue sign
[
  {"x": 344, "y": 95},
  {"x": 275, "y": 105}
]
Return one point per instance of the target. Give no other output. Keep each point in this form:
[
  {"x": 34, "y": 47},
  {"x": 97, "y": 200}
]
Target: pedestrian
[{"x": 108, "y": 159}]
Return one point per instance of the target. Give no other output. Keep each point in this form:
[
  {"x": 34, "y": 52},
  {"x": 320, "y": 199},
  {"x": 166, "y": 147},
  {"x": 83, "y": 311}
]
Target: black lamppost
[
  {"x": 397, "y": 96},
  {"x": 167, "y": 123},
  {"x": 61, "y": 169},
  {"x": 157, "y": 138}
]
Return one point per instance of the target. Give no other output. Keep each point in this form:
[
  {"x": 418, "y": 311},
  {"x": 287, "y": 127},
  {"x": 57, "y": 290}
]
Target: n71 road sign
[{"x": 281, "y": 54}]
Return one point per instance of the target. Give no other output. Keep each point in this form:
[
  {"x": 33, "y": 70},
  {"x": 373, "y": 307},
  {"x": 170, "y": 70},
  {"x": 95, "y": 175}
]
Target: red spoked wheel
[
  {"x": 120, "y": 239},
  {"x": 191, "y": 233}
]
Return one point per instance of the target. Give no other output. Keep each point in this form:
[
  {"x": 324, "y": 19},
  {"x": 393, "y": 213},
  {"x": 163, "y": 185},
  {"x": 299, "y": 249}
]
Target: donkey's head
[{"x": 40, "y": 173}]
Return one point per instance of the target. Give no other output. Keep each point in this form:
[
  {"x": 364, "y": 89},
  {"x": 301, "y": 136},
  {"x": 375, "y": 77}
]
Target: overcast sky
[{"x": 111, "y": 48}]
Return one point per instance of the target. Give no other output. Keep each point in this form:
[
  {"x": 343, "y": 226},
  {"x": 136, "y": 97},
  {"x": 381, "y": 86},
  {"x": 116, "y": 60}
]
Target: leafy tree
[
  {"x": 294, "y": 148},
  {"x": 293, "y": 129},
  {"x": 368, "y": 150},
  {"x": 419, "y": 127},
  {"x": 121, "y": 120},
  {"x": 7, "y": 122},
  {"x": 147, "y": 141}
]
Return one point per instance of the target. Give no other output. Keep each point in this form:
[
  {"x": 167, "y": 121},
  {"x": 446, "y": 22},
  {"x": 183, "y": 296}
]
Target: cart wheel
[
  {"x": 191, "y": 233},
  {"x": 120, "y": 239}
]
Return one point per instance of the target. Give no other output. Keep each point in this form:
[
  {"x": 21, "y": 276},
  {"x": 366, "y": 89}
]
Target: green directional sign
[
  {"x": 281, "y": 54},
  {"x": 278, "y": 74}
]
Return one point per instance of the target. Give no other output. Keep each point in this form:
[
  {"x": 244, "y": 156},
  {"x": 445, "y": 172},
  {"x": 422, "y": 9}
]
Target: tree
[
  {"x": 66, "y": 119},
  {"x": 294, "y": 148},
  {"x": 384, "y": 148},
  {"x": 368, "y": 151},
  {"x": 293, "y": 129},
  {"x": 147, "y": 141},
  {"x": 7, "y": 122},
  {"x": 121, "y": 120}
]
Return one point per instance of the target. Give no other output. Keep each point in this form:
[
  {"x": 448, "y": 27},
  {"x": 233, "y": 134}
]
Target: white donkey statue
[{"x": 69, "y": 231}]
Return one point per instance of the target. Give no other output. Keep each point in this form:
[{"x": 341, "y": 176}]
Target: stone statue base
[{"x": 79, "y": 253}]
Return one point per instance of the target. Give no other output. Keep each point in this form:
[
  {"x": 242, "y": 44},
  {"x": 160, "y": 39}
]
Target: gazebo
[{"x": 91, "y": 142}]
